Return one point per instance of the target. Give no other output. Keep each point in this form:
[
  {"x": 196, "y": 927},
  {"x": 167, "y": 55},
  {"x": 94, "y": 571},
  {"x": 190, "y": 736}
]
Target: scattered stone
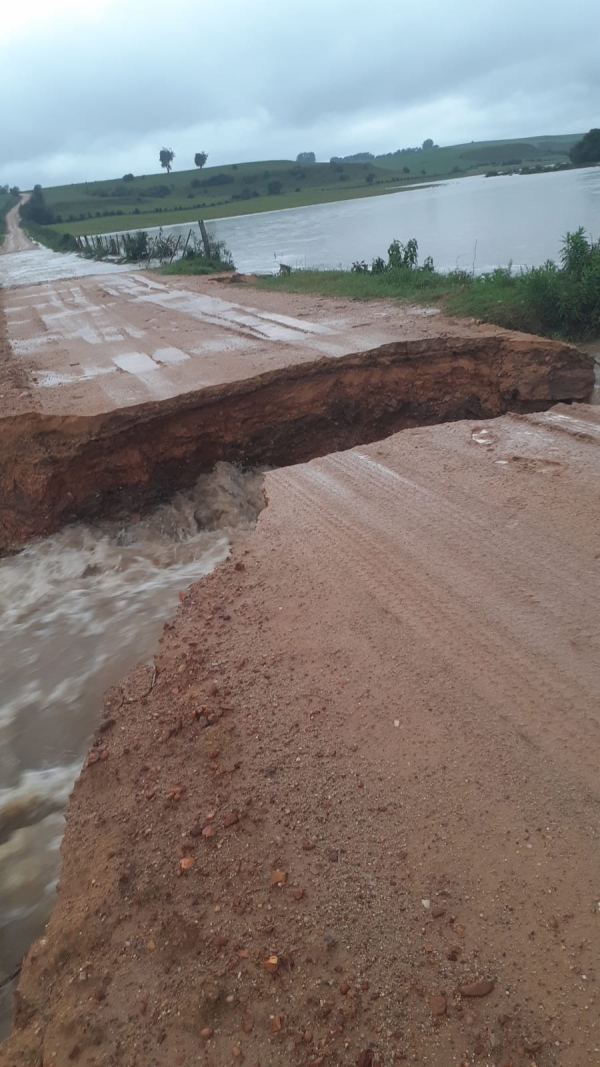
[
  {"x": 186, "y": 864},
  {"x": 278, "y": 878},
  {"x": 345, "y": 988},
  {"x": 333, "y": 855},
  {"x": 436, "y": 913},
  {"x": 453, "y": 953},
  {"x": 437, "y": 1005},
  {"x": 207, "y": 1033},
  {"x": 480, "y": 988},
  {"x": 275, "y": 1024},
  {"x": 307, "y": 1037},
  {"x": 365, "y": 1058},
  {"x": 208, "y": 831},
  {"x": 247, "y": 1024},
  {"x": 535, "y": 1046},
  {"x": 297, "y": 894},
  {"x": 271, "y": 964},
  {"x": 231, "y": 818},
  {"x": 220, "y": 940}
]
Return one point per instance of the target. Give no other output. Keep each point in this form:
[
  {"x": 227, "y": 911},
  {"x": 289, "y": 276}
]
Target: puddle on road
[{"x": 76, "y": 612}]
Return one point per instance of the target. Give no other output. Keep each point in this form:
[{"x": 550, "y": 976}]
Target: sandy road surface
[
  {"x": 370, "y": 756},
  {"x": 92, "y": 344}
]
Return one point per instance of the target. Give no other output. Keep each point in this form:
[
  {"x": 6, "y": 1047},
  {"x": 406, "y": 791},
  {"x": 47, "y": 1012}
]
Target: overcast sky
[{"x": 94, "y": 88}]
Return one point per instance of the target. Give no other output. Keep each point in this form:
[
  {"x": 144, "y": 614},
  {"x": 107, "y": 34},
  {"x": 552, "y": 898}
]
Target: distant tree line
[{"x": 587, "y": 150}]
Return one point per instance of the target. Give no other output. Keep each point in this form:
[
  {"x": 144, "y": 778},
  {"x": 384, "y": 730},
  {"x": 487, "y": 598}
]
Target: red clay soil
[{"x": 351, "y": 816}]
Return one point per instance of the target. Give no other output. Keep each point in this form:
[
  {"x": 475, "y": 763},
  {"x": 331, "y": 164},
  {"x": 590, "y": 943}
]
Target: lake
[{"x": 482, "y": 221}]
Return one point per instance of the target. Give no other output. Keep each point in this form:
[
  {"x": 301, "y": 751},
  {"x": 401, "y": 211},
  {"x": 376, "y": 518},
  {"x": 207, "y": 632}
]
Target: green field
[
  {"x": 214, "y": 192},
  {"x": 245, "y": 188},
  {"x": 479, "y": 157}
]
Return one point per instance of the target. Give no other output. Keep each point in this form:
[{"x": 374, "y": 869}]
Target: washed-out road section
[
  {"x": 120, "y": 389},
  {"x": 350, "y": 814}
]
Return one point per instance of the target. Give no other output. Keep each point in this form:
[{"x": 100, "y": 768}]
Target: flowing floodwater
[
  {"x": 465, "y": 222},
  {"x": 76, "y": 612}
]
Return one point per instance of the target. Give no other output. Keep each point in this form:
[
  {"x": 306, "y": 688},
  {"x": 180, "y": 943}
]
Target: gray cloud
[{"x": 254, "y": 79}]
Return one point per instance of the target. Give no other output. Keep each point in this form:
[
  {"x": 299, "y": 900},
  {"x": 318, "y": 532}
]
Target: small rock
[
  {"x": 271, "y": 964},
  {"x": 344, "y": 988},
  {"x": 297, "y": 894},
  {"x": 220, "y": 940},
  {"x": 365, "y": 1058},
  {"x": 275, "y": 1024},
  {"x": 231, "y": 818},
  {"x": 278, "y": 878},
  {"x": 208, "y": 831},
  {"x": 207, "y": 1033},
  {"x": 307, "y": 1037},
  {"x": 437, "y": 1005},
  {"x": 247, "y": 1024},
  {"x": 186, "y": 864},
  {"x": 333, "y": 855},
  {"x": 480, "y": 988},
  {"x": 436, "y": 913}
]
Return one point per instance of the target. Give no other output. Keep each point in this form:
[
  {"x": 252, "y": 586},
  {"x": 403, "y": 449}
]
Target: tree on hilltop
[
  {"x": 306, "y": 157},
  {"x": 200, "y": 159},
  {"x": 166, "y": 157},
  {"x": 587, "y": 150}
]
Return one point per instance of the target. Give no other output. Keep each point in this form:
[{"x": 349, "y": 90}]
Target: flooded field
[{"x": 477, "y": 223}]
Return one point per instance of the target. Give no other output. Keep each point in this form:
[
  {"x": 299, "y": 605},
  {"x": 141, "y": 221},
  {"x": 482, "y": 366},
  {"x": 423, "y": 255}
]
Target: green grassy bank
[{"x": 556, "y": 300}]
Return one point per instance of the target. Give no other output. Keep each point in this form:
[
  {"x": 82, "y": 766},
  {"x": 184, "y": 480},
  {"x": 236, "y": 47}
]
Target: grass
[
  {"x": 49, "y": 236},
  {"x": 561, "y": 301},
  {"x": 144, "y": 201},
  {"x": 479, "y": 156},
  {"x": 239, "y": 189},
  {"x": 6, "y": 202}
]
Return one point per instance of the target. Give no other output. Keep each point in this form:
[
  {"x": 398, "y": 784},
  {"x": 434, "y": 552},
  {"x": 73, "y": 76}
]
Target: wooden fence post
[{"x": 205, "y": 240}]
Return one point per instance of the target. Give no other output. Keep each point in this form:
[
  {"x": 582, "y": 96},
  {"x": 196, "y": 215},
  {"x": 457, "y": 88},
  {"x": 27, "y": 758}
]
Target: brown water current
[{"x": 76, "y": 612}]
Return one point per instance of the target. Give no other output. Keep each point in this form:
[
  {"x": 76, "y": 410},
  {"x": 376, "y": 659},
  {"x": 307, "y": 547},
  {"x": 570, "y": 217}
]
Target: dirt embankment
[
  {"x": 57, "y": 469},
  {"x": 351, "y": 816}
]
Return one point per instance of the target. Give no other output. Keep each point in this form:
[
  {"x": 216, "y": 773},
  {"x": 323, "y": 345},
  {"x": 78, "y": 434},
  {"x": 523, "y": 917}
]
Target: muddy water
[{"x": 76, "y": 612}]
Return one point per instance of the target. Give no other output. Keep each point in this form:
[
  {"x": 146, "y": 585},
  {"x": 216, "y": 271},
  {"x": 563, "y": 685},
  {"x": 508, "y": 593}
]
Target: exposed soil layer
[
  {"x": 58, "y": 469},
  {"x": 351, "y": 815}
]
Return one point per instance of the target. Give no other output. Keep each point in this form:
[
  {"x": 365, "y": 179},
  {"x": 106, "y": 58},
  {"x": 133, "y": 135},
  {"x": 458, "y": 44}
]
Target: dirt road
[
  {"x": 89, "y": 345},
  {"x": 352, "y": 817},
  {"x": 16, "y": 240}
]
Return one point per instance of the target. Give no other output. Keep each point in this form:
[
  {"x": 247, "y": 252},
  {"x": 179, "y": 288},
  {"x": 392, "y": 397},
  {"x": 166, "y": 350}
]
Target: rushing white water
[{"x": 76, "y": 612}]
